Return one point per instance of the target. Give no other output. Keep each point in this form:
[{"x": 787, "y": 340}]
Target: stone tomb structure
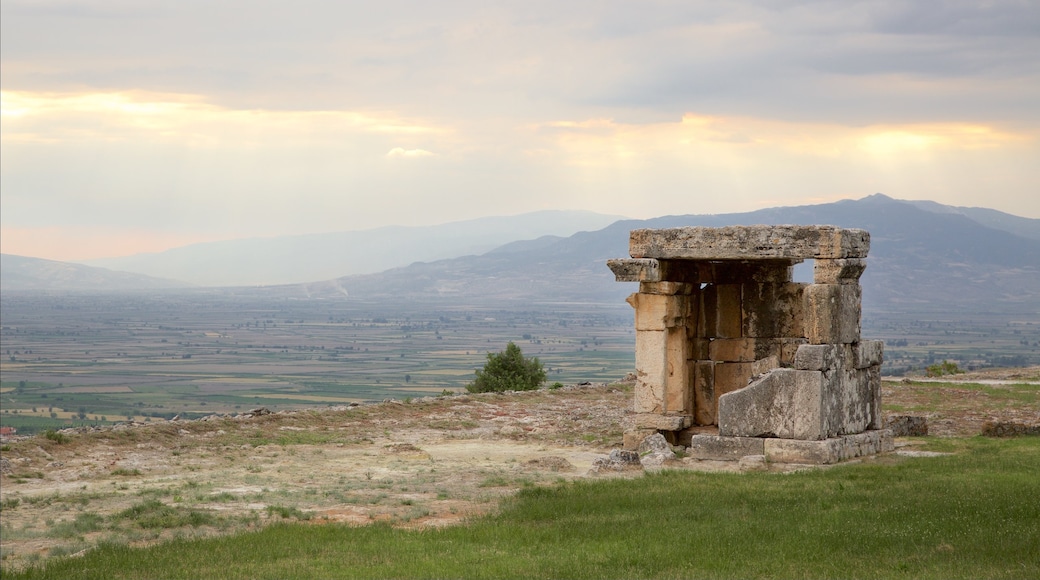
[{"x": 734, "y": 359}]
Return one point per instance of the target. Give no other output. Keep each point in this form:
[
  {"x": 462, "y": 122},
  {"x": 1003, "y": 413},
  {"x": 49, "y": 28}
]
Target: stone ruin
[{"x": 734, "y": 359}]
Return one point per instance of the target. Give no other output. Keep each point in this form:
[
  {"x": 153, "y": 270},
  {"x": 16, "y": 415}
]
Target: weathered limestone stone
[
  {"x": 753, "y": 463},
  {"x": 742, "y": 349},
  {"x": 772, "y": 310},
  {"x": 633, "y": 437},
  {"x": 868, "y": 353},
  {"x": 724, "y": 448},
  {"x": 796, "y": 451},
  {"x": 789, "y": 348},
  {"x": 651, "y": 371},
  {"x": 763, "y": 366},
  {"x": 652, "y": 270},
  {"x": 731, "y": 376},
  {"x": 667, "y": 288},
  {"x": 815, "y": 357},
  {"x": 659, "y": 311},
  {"x": 832, "y": 313},
  {"x": 635, "y": 270},
  {"x": 839, "y": 271},
  {"x": 907, "y": 425},
  {"x": 704, "y": 392},
  {"x": 784, "y": 403},
  {"x": 720, "y": 311},
  {"x": 700, "y": 348},
  {"x": 749, "y": 242},
  {"x": 662, "y": 422}
]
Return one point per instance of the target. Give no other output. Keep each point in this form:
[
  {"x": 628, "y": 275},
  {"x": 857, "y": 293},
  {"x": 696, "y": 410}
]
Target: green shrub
[
  {"x": 943, "y": 368},
  {"x": 508, "y": 370},
  {"x": 56, "y": 437}
]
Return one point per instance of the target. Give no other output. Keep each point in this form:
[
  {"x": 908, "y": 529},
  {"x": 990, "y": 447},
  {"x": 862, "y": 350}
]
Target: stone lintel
[
  {"x": 790, "y": 242},
  {"x": 653, "y": 270}
]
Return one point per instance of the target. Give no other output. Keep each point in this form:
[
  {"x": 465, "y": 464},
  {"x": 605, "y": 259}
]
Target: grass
[{"x": 973, "y": 514}]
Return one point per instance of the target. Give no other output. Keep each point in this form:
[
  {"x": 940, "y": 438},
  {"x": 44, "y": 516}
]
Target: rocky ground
[{"x": 427, "y": 462}]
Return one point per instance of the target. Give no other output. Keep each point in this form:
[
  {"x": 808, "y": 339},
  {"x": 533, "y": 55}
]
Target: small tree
[{"x": 508, "y": 370}]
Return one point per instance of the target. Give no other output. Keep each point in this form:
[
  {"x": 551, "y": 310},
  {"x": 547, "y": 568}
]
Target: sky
[{"x": 132, "y": 126}]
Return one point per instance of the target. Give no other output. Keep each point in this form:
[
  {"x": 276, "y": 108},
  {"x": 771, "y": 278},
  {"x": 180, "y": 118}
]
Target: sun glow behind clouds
[{"x": 49, "y": 117}]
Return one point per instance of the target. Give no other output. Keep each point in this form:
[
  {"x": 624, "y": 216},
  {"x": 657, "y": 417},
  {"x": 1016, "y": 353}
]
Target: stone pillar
[{"x": 662, "y": 311}]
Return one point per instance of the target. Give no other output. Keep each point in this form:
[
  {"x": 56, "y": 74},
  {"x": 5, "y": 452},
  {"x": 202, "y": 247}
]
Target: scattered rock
[
  {"x": 5, "y": 465},
  {"x": 1008, "y": 429},
  {"x": 619, "y": 460},
  {"x": 550, "y": 463},
  {"x": 907, "y": 425}
]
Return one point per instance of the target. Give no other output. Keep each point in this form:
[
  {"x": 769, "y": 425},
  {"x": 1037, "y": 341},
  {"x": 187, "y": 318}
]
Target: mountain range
[
  {"x": 924, "y": 256},
  {"x": 305, "y": 258}
]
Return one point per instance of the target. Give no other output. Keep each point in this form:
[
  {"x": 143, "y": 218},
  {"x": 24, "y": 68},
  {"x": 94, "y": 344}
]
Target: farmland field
[{"x": 105, "y": 358}]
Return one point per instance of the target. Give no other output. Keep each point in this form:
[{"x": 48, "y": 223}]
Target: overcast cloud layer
[{"x": 133, "y": 126}]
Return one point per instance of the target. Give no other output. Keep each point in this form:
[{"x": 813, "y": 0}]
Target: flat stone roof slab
[{"x": 750, "y": 243}]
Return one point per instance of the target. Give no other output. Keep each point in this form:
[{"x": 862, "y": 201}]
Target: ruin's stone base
[{"x": 834, "y": 450}]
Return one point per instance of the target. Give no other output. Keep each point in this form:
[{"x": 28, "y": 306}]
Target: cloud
[
  {"x": 400, "y": 152},
  {"x": 173, "y": 117}
]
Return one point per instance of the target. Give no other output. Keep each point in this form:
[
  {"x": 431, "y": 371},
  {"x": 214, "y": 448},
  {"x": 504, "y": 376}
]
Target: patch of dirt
[
  {"x": 431, "y": 462},
  {"x": 960, "y": 405}
]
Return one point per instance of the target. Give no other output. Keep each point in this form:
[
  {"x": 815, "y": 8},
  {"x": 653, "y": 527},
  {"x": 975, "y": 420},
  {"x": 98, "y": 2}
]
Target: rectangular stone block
[
  {"x": 821, "y": 452},
  {"x": 789, "y": 242},
  {"x": 720, "y": 311},
  {"x": 733, "y": 349},
  {"x": 714, "y": 447},
  {"x": 704, "y": 392},
  {"x": 772, "y": 310},
  {"x": 700, "y": 348},
  {"x": 868, "y": 353},
  {"x": 659, "y": 311},
  {"x": 788, "y": 349},
  {"x": 832, "y": 313},
  {"x": 784, "y": 403},
  {"x": 764, "y": 365},
  {"x": 816, "y": 357},
  {"x": 667, "y": 288},
  {"x": 678, "y": 394},
  {"x": 839, "y": 271},
  {"x": 632, "y": 438},
  {"x": 662, "y": 422},
  {"x": 651, "y": 371},
  {"x": 730, "y": 376},
  {"x": 635, "y": 270}
]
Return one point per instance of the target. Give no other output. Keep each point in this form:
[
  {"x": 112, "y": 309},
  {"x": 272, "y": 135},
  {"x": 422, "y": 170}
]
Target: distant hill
[
  {"x": 304, "y": 258},
  {"x": 24, "y": 273},
  {"x": 920, "y": 259}
]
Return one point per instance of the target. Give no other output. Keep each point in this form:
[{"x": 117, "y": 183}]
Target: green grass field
[{"x": 972, "y": 514}]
